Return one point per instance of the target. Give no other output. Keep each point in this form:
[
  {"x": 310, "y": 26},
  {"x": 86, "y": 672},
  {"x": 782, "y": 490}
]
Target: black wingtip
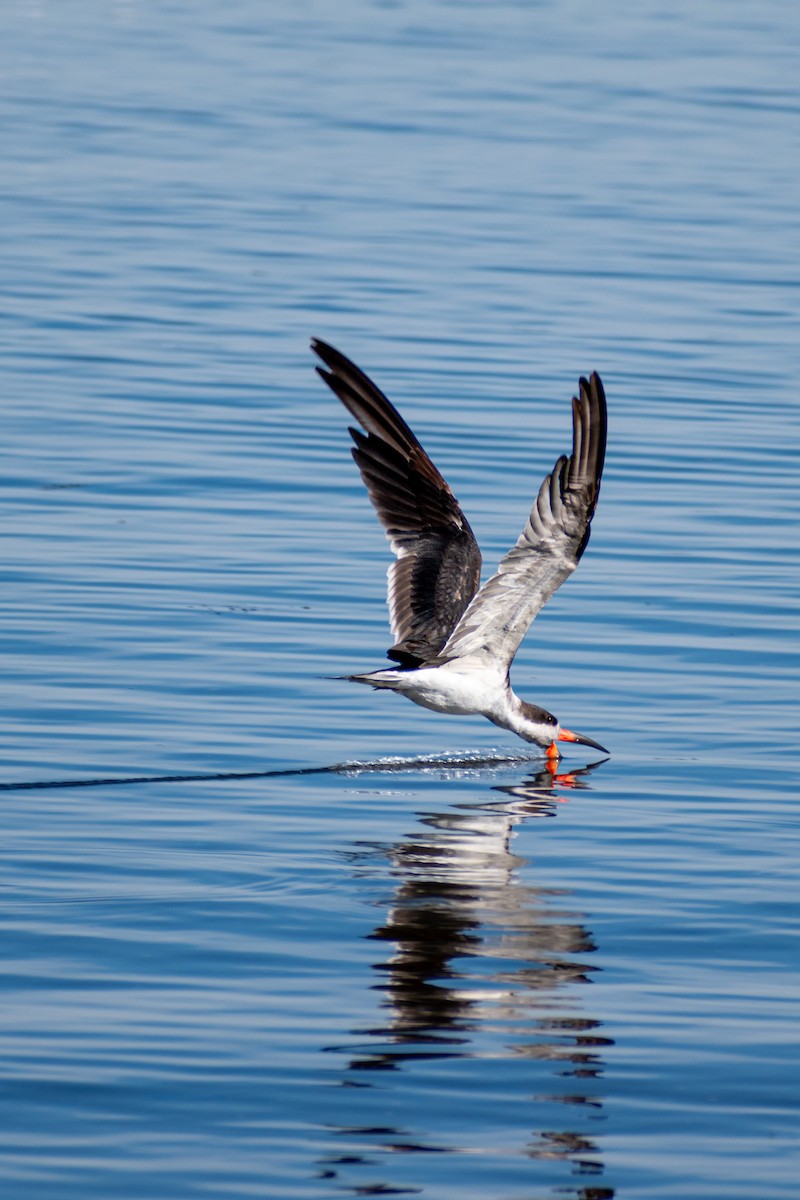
[{"x": 332, "y": 357}]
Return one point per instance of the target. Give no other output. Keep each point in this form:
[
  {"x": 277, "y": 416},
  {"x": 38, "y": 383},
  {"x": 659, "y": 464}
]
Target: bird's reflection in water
[{"x": 478, "y": 966}]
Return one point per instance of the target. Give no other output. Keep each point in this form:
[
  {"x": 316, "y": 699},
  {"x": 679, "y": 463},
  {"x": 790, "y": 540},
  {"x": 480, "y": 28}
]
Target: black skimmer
[{"x": 455, "y": 641}]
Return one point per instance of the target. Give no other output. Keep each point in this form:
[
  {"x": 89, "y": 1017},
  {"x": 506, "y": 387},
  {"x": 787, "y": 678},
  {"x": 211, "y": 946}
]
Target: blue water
[{"x": 443, "y": 980}]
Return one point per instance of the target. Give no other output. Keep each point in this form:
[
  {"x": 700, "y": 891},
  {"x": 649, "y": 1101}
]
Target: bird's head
[{"x": 542, "y": 727}]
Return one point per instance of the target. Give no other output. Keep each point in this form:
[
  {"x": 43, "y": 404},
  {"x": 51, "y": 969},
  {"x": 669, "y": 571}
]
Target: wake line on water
[{"x": 447, "y": 761}]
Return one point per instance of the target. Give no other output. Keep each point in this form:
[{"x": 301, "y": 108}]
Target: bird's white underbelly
[{"x": 449, "y": 691}]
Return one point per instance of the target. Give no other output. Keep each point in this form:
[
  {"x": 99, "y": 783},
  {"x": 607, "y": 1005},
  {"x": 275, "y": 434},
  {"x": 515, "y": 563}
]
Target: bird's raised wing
[
  {"x": 548, "y": 549},
  {"x": 438, "y": 565}
]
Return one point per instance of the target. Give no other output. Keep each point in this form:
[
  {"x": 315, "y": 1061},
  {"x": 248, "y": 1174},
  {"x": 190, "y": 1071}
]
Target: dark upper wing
[
  {"x": 548, "y": 549},
  {"x": 438, "y": 563}
]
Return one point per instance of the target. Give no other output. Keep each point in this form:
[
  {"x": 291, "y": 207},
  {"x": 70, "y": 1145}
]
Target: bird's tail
[{"x": 376, "y": 679}]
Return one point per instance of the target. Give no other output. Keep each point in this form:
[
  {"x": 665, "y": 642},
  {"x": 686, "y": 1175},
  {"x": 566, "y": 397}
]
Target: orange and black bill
[{"x": 566, "y": 735}]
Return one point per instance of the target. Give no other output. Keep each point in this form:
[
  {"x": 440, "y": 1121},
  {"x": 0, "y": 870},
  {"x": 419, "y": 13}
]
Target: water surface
[{"x": 441, "y": 979}]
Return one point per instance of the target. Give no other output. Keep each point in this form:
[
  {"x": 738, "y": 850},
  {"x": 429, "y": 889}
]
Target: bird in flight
[{"x": 454, "y": 640}]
